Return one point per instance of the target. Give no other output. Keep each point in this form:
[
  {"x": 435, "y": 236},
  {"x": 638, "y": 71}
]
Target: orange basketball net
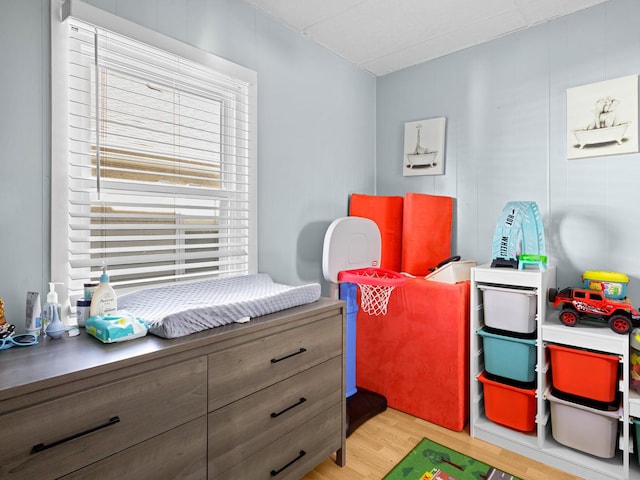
[{"x": 376, "y": 285}]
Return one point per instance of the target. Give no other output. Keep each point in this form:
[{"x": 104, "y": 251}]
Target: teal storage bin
[
  {"x": 509, "y": 357},
  {"x": 636, "y": 424}
]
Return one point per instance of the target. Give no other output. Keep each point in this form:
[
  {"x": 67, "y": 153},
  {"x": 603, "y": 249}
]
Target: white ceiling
[{"x": 383, "y": 36}]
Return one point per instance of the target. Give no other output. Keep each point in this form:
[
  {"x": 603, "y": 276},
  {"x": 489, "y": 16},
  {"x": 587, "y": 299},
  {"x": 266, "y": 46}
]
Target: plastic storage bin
[
  {"x": 636, "y": 424},
  {"x": 509, "y": 308},
  {"x": 507, "y": 405},
  {"x": 612, "y": 284},
  {"x": 583, "y": 373},
  {"x": 584, "y": 428},
  {"x": 634, "y": 360},
  {"x": 509, "y": 357}
]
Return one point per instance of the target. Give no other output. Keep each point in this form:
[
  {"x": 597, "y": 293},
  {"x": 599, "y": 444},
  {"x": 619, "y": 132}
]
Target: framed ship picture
[{"x": 424, "y": 142}]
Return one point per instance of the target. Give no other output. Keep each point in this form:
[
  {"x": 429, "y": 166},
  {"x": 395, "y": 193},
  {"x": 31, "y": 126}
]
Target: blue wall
[
  {"x": 316, "y": 141},
  {"x": 505, "y": 104},
  {"x": 327, "y": 129}
]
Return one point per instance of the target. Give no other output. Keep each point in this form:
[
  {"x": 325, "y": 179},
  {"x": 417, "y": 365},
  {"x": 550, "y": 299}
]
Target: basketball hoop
[{"x": 376, "y": 285}]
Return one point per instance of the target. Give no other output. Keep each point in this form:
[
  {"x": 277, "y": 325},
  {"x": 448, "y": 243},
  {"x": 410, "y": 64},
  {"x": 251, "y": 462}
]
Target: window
[{"x": 155, "y": 176}]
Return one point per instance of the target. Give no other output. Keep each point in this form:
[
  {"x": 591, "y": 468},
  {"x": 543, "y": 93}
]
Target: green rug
[{"x": 431, "y": 461}]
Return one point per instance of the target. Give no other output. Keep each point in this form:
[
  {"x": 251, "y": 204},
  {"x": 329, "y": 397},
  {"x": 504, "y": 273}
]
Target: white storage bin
[
  {"x": 509, "y": 308},
  {"x": 584, "y": 428}
]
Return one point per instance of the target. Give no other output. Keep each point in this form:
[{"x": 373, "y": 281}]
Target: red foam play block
[
  {"x": 386, "y": 212},
  {"x": 417, "y": 355},
  {"x": 426, "y": 232}
]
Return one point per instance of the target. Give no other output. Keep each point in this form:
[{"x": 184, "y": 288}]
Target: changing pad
[{"x": 176, "y": 310}]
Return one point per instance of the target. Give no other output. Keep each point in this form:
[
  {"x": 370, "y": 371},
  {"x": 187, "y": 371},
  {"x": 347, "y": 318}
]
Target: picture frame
[
  {"x": 602, "y": 118},
  {"x": 424, "y": 145}
]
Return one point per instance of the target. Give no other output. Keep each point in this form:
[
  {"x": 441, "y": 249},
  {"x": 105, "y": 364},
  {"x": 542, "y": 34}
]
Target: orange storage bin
[
  {"x": 584, "y": 373},
  {"x": 510, "y": 406}
]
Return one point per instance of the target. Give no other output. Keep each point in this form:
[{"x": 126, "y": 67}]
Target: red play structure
[{"x": 417, "y": 355}]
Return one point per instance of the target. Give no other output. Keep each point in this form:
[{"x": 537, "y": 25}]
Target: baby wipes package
[{"x": 117, "y": 326}]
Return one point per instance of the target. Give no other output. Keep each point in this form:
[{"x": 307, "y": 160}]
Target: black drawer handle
[
  {"x": 276, "y": 360},
  {"x": 41, "y": 446},
  {"x": 300, "y": 455},
  {"x": 299, "y": 402}
]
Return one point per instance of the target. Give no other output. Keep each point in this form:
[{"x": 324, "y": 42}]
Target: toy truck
[{"x": 580, "y": 303}]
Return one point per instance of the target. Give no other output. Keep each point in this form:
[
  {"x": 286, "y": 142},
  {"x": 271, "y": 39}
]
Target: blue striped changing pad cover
[{"x": 176, "y": 310}]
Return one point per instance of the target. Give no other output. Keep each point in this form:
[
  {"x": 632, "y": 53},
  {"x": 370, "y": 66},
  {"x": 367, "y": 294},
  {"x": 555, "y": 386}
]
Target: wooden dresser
[{"x": 262, "y": 400}]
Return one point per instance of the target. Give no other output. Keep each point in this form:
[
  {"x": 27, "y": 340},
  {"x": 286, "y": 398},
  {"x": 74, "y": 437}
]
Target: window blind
[{"x": 159, "y": 172}]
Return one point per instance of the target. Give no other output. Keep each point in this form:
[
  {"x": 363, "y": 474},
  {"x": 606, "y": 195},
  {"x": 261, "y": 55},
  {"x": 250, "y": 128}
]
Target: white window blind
[{"x": 159, "y": 168}]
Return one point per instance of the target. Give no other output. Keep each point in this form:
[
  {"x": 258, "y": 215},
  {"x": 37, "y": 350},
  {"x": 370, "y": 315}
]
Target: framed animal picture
[
  {"x": 602, "y": 118},
  {"x": 424, "y": 142}
]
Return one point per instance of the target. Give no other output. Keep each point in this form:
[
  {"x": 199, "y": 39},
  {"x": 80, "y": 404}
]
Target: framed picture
[
  {"x": 424, "y": 143},
  {"x": 602, "y": 118}
]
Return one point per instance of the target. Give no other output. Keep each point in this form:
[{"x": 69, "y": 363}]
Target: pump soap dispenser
[{"x": 55, "y": 328}]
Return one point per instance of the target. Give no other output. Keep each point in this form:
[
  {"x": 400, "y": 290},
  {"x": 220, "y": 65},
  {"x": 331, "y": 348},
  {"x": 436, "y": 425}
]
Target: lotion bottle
[
  {"x": 32, "y": 321},
  {"x": 104, "y": 297}
]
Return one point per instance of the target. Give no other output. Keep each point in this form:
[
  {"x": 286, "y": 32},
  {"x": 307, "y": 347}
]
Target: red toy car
[{"x": 593, "y": 305}]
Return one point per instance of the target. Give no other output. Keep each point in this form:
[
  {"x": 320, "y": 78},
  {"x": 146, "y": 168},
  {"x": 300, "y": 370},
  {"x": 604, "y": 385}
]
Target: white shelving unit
[{"x": 540, "y": 444}]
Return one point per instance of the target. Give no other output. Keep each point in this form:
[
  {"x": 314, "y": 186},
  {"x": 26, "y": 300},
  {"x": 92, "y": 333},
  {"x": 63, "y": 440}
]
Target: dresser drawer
[
  {"x": 239, "y": 371},
  {"x": 179, "y": 454},
  {"x": 58, "y": 437},
  {"x": 291, "y": 456},
  {"x": 248, "y": 425}
]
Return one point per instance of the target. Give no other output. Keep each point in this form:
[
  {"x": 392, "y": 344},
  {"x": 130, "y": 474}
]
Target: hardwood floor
[{"x": 380, "y": 443}]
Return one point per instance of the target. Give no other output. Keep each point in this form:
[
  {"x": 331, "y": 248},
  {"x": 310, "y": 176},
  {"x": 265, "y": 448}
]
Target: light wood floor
[{"x": 380, "y": 443}]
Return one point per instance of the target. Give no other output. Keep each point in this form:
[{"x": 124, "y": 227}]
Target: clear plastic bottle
[{"x": 104, "y": 298}]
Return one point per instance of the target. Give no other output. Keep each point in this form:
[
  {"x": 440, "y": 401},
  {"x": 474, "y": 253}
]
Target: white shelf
[
  {"x": 592, "y": 337},
  {"x": 634, "y": 404},
  {"x": 540, "y": 444}
]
